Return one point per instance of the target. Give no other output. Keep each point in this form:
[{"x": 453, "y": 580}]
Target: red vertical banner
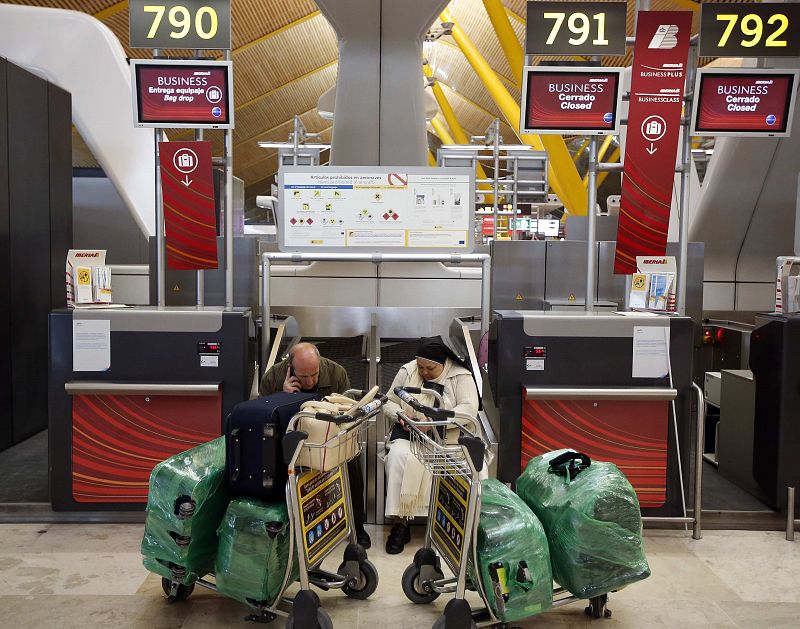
[
  {"x": 651, "y": 146},
  {"x": 187, "y": 187}
]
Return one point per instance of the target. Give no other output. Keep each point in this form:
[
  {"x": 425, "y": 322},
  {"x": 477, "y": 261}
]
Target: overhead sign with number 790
[
  {"x": 204, "y": 24},
  {"x": 576, "y": 28}
]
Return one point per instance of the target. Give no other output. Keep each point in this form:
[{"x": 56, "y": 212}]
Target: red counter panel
[
  {"x": 118, "y": 439},
  {"x": 630, "y": 434}
]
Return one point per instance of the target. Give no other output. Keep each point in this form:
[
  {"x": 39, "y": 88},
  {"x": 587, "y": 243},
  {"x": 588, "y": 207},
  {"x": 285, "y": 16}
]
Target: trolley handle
[
  {"x": 404, "y": 393},
  {"x": 363, "y": 411}
]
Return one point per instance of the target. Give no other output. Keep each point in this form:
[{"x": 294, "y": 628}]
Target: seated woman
[{"x": 408, "y": 484}]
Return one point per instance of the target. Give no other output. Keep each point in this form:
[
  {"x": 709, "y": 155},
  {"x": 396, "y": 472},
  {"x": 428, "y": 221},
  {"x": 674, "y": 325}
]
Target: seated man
[
  {"x": 305, "y": 370},
  {"x": 408, "y": 484}
]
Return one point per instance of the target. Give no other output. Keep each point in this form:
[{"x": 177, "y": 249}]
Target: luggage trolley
[
  {"x": 320, "y": 519},
  {"x": 452, "y": 528}
]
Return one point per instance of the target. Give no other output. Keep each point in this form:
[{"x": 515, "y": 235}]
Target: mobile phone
[{"x": 291, "y": 372}]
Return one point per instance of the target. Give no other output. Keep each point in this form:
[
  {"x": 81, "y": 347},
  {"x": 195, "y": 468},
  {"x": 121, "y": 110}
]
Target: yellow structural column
[
  {"x": 456, "y": 129},
  {"x": 563, "y": 175},
  {"x": 440, "y": 130},
  {"x": 507, "y": 36},
  {"x": 431, "y": 159},
  {"x": 580, "y": 151}
]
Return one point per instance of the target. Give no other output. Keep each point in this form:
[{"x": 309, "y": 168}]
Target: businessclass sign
[{"x": 654, "y": 119}]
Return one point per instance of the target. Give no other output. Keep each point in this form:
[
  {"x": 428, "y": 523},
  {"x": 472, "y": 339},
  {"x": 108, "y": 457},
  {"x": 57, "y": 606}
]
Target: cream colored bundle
[{"x": 340, "y": 450}]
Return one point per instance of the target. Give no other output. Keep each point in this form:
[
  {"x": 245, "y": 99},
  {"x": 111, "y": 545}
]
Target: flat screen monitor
[
  {"x": 580, "y": 101},
  {"x": 743, "y": 102},
  {"x": 182, "y": 94}
]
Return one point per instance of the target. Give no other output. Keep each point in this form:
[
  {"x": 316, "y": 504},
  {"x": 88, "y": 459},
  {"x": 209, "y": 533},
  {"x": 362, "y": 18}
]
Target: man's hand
[{"x": 290, "y": 383}]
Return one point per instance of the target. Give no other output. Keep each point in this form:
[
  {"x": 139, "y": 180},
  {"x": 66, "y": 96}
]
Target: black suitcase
[{"x": 253, "y": 435}]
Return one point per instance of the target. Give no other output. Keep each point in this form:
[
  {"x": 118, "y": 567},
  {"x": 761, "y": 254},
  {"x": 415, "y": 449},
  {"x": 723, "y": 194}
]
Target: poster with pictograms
[
  {"x": 336, "y": 208},
  {"x": 324, "y": 511},
  {"x": 451, "y": 497}
]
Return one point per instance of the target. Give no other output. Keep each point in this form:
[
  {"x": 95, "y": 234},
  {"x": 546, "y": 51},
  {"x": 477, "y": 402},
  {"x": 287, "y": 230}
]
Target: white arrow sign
[
  {"x": 652, "y": 149},
  {"x": 186, "y": 181}
]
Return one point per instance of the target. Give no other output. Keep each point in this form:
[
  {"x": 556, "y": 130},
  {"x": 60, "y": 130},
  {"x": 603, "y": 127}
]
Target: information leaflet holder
[{"x": 376, "y": 209}]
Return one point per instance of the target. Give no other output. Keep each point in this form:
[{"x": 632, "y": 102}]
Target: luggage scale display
[
  {"x": 320, "y": 510},
  {"x": 452, "y": 529}
]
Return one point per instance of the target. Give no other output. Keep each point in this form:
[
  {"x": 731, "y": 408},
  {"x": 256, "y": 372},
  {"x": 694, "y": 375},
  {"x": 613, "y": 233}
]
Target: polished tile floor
[{"x": 66, "y": 576}]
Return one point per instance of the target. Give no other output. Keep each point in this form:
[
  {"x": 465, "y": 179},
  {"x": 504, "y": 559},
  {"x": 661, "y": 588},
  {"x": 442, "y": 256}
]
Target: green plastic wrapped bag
[
  {"x": 513, "y": 555},
  {"x": 253, "y": 551},
  {"x": 593, "y": 522},
  {"x": 180, "y": 542}
]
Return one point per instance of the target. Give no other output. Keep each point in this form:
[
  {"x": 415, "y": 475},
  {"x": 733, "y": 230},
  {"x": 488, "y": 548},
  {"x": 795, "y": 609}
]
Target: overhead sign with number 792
[
  {"x": 201, "y": 24},
  {"x": 750, "y": 30}
]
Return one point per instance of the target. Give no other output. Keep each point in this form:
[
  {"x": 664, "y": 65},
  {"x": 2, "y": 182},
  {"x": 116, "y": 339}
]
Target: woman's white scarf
[{"x": 416, "y": 479}]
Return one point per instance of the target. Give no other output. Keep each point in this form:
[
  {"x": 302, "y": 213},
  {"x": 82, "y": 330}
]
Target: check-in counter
[
  {"x": 593, "y": 382},
  {"x": 158, "y": 382}
]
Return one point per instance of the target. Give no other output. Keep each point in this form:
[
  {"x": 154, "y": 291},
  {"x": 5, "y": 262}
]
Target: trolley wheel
[
  {"x": 597, "y": 607},
  {"x": 323, "y": 620},
  {"x": 367, "y": 580},
  {"x": 181, "y": 594},
  {"x": 415, "y": 591}
]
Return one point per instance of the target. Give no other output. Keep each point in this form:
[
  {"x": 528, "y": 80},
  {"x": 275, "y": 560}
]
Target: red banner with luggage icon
[
  {"x": 187, "y": 187},
  {"x": 654, "y": 118}
]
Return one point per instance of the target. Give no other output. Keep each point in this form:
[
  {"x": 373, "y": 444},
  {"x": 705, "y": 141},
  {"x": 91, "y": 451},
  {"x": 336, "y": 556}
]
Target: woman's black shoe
[{"x": 399, "y": 536}]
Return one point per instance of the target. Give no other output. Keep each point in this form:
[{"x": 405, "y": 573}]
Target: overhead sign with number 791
[
  {"x": 180, "y": 24},
  {"x": 576, "y": 28}
]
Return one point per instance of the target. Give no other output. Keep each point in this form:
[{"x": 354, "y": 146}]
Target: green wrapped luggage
[
  {"x": 186, "y": 501},
  {"x": 253, "y": 551},
  {"x": 592, "y": 518},
  {"x": 513, "y": 555}
]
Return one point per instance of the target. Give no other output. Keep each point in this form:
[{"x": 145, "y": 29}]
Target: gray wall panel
[
  {"x": 29, "y": 201},
  {"x": 5, "y": 277},
  {"x": 60, "y": 158}
]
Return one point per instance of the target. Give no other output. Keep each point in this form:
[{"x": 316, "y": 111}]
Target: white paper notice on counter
[
  {"x": 91, "y": 345},
  {"x": 650, "y": 351}
]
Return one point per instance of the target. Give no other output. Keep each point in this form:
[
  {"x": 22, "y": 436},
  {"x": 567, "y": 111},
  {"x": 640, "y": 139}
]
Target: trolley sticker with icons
[{"x": 456, "y": 467}]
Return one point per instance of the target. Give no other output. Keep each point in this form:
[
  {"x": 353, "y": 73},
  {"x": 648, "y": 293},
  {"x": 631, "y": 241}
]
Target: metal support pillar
[
  {"x": 697, "y": 528},
  {"x": 494, "y": 133},
  {"x": 201, "y": 277},
  {"x": 161, "y": 281},
  {"x": 686, "y": 165},
  {"x": 591, "y": 235},
  {"x": 228, "y": 212},
  {"x": 514, "y": 195},
  {"x": 790, "y": 514},
  {"x": 158, "y": 135}
]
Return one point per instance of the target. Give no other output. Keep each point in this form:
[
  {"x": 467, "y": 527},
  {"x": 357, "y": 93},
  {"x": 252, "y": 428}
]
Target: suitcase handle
[{"x": 558, "y": 465}]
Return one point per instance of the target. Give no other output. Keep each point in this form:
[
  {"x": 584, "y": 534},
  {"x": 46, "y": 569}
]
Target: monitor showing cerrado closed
[
  {"x": 188, "y": 94},
  {"x": 583, "y": 101},
  {"x": 740, "y": 102}
]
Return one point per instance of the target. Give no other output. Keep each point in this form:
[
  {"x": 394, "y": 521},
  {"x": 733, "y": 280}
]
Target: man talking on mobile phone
[{"x": 305, "y": 370}]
